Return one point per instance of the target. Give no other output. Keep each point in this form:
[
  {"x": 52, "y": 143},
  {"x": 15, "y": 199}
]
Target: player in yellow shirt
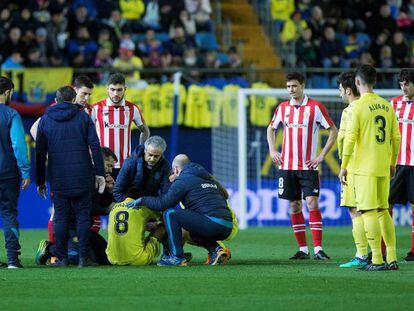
[
  {"x": 373, "y": 137},
  {"x": 127, "y": 243},
  {"x": 349, "y": 93}
]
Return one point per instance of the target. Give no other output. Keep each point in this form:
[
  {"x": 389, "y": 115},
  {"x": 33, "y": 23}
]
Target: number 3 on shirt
[
  {"x": 121, "y": 222},
  {"x": 381, "y": 123}
]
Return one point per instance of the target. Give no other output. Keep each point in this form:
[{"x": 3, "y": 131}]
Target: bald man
[{"x": 207, "y": 216}]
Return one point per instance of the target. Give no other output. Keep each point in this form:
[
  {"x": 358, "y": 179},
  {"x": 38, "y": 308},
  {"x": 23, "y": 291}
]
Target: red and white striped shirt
[
  {"x": 404, "y": 109},
  {"x": 301, "y": 125},
  {"x": 113, "y": 125}
]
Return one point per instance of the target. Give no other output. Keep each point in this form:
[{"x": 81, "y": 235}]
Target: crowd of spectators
[
  {"x": 345, "y": 33},
  {"x": 111, "y": 34}
]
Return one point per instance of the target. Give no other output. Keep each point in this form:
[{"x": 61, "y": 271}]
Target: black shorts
[
  {"x": 295, "y": 185},
  {"x": 402, "y": 185}
]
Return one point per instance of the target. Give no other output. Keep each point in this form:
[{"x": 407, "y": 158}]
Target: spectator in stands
[
  {"x": 25, "y": 21},
  {"x": 234, "y": 61},
  {"x": 169, "y": 11},
  {"x": 104, "y": 62},
  {"x": 366, "y": 59},
  {"x": 178, "y": 43},
  {"x": 5, "y": 20},
  {"x": 331, "y": 50},
  {"x": 44, "y": 46},
  {"x": 105, "y": 41},
  {"x": 187, "y": 22},
  {"x": 151, "y": 17},
  {"x": 81, "y": 18},
  {"x": 409, "y": 8},
  {"x": 166, "y": 59},
  {"x": 384, "y": 80},
  {"x": 34, "y": 58},
  {"x": 281, "y": 10},
  {"x": 401, "y": 50},
  {"x": 127, "y": 62},
  {"x": 380, "y": 40},
  {"x": 382, "y": 20},
  {"x": 57, "y": 30},
  {"x": 200, "y": 11},
  {"x": 83, "y": 44},
  {"x": 293, "y": 28},
  {"x": 77, "y": 60},
  {"x": 116, "y": 23},
  {"x": 14, "y": 61},
  {"x": 42, "y": 13},
  {"x": 150, "y": 43},
  {"x": 317, "y": 23},
  {"x": 210, "y": 60},
  {"x": 131, "y": 11},
  {"x": 353, "y": 50},
  {"x": 307, "y": 50},
  {"x": 13, "y": 42}
]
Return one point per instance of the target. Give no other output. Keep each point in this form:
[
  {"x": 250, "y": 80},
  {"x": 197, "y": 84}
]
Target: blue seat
[
  {"x": 206, "y": 41},
  {"x": 222, "y": 58},
  {"x": 162, "y": 36}
]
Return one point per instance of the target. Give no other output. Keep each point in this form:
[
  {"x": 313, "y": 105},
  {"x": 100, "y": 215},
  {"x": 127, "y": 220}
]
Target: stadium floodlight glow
[{"x": 239, "y": 156}]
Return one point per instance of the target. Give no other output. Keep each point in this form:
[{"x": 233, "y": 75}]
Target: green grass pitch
[{"x": 259, "y": 277}]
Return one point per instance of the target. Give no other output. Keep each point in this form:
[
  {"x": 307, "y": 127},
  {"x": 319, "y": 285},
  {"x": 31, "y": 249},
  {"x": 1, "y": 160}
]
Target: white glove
[
  {"x": 100, "y": 183},
  {"x": 42, "y": 191}
]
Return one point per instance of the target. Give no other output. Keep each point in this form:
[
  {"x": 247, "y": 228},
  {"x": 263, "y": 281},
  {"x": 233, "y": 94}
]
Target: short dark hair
[
  {"x": 65, "y": 94},
  {"x": 116, "y": 78},
  {"x": 5, "y": 84},
  {"x": 406, "y": 75},
  {"x": 295, "y": 76},
  {"x": 107, "y": 152},
  {"x": 367, "y": 74},
  {"x": 347, "y": 80},
  {"x": 82, "y": 81}
]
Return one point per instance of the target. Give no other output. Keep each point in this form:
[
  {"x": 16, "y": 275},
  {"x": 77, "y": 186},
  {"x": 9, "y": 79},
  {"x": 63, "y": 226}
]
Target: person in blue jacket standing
[
  {"x": 67, "y": 138},
  {"x": 14, "y": 167}
]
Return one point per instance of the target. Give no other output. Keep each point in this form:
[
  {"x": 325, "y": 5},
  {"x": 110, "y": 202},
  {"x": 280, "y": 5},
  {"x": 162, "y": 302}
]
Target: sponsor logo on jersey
[{"x": 115, "y": 126}]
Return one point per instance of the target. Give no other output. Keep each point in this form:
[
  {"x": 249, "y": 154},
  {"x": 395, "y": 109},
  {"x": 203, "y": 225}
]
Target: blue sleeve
[
  {"x": 17, "y": 137},
  {"x": 165, "y": 183},
  {"x": 41, "y": 152},
  {"x": 93, "y": 142},
  {"x": 165, "y": 201},
  {"x": 123, "y": 181}
]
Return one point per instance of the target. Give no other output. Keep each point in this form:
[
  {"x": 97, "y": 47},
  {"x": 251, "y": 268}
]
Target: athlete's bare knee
[
  {"x": 312, "y": 203},
  {"x": 295, "y": 206}
]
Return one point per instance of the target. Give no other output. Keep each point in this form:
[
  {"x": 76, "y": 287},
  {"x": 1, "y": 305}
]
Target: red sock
[
  {"x": 299, "y": 228},
  {"x": 412, "y": 236},
  {"x": 315, "y": 224},
  {"x": 50, "y": 231},
  {"x": 383, "y": 246}
]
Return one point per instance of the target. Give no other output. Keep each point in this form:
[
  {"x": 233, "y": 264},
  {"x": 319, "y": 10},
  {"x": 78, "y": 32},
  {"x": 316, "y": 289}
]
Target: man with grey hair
[{"x": 146, "y": 172}]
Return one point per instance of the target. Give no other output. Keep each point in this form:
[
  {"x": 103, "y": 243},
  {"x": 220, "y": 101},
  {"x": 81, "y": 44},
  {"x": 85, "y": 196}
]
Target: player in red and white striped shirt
[
  {"x": 402, "y": 185},
  {"x": 113, "y": 118},
  {"x": 301, "y": 117}
]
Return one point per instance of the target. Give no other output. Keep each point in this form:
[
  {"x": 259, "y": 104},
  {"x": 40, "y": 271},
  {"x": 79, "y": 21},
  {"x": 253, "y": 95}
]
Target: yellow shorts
[
  {"x": 348, "y": 192},
  {"x": 151, "y": 251},
  {"x": 371, "y": 192}
]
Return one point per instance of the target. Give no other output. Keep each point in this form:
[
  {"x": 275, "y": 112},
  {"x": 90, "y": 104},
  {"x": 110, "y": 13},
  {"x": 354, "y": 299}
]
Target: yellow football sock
[
  {"x": 388, "y": 234},
  {"x": 358, "y": 231},
  {"x": 373, "y": 233}
]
